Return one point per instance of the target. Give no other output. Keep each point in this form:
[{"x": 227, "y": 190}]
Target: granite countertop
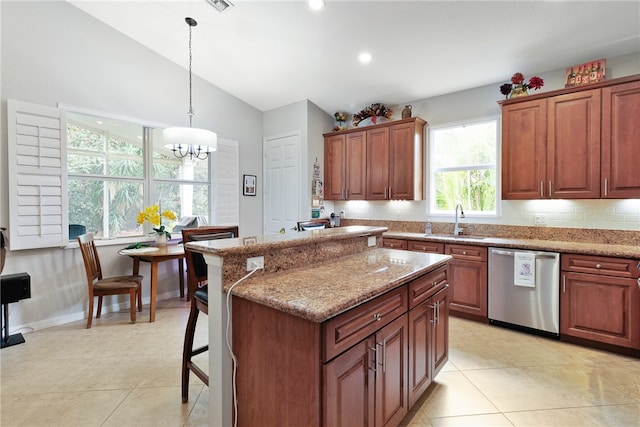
[
  {"x": 598, "y": 249},
  {"x": 243, "y": 245},
  {"x": 321, "y": 291}
]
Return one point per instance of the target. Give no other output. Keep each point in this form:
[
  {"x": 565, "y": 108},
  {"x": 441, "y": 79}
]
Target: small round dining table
[{"x": 155, "y": 255}]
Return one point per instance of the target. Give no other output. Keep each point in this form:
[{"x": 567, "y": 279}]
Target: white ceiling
[{"x": 273, "y": 53}]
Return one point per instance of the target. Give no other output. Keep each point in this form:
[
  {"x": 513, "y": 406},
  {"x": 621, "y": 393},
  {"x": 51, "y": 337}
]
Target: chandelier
[{"x": 192, "y": 142}]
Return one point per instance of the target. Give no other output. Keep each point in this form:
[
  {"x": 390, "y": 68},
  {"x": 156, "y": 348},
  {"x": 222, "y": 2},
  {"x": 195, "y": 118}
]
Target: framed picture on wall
[{"x": 249, "y": 185}]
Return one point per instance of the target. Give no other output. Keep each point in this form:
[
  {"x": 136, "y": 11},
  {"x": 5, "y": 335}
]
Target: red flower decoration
[
  {"x": 536, "y": 82},
  {"x": 517, "y": 78}
]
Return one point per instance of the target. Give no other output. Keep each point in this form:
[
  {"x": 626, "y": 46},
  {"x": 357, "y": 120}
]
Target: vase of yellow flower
[{"x": 153, "y": 215}]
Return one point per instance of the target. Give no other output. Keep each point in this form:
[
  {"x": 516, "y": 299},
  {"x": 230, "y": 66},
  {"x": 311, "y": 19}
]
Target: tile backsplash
[{"x": 591, "y": 214}]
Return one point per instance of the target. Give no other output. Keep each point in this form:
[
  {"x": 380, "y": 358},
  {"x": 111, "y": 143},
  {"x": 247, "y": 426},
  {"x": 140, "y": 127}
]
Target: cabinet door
[
  {"x": 524, "y": 135},
  {"x": 621, "y": 141},
  {"x": 405, "y": 162},
  {"x": 440, "y": 337},
  {"x": 356, "y": 161},
  {"x": 349, "y": 393},
  {"x": 420, "y": 354},
  {"x": 394, "y": 243},
  {"x": 601, "y": 308},
  {"x": 391, "y": 373},
  {"x": 468, "y": 281},
  {"x": 422, "y": 246},
  {"x": 378, "y": 164},
  {"x": 334, "y": 167},
  {"x": 573, "y": 145}
]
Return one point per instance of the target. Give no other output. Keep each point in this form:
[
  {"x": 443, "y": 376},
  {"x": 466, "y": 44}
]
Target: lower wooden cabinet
[
  {"x": 600, "y": 300},
  {"x": 468, "y": 279},
  {"x": 394, "y": 243},
  {"x": 428, "y": 342}
]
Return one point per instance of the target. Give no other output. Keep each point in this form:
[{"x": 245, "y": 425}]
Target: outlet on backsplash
[{"x": 540, "y": 220}]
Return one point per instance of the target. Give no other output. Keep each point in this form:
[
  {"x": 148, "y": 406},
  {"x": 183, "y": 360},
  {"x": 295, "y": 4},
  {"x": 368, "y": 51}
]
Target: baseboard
[{"x": 74, "y": 317}]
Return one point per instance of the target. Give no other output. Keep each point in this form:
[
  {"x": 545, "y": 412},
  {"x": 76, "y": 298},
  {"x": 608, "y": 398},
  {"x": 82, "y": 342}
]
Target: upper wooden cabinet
[
  {"x": 621, "y": 141},
  {"x": 392, "y": 167},
  {"x": 578, "y": 143},
  {"x": 345, "y": 166}
]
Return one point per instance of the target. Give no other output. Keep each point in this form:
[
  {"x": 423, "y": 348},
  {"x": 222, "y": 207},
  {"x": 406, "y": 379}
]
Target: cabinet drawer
[
  {"x": 394, "y": 243},
  {"x": 346, "y": 329},
  {"x": 420, "y": 246},
  {"x": 618, "y": 267},
  {"x": 470, "y": 253},
  {"x": 426, "y": 286}
]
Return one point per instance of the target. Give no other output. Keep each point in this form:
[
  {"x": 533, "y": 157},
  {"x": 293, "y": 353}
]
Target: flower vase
[
  {"x": 518, "y": 92},
  {"x": 161, "y": 240}
]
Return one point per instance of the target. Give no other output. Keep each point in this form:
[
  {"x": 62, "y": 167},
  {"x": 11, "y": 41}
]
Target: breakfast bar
[{"x": 322, "y": 296}]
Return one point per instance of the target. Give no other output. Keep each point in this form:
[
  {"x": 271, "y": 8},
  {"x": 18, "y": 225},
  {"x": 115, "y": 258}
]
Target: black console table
[{"x": 13, "y": 288}]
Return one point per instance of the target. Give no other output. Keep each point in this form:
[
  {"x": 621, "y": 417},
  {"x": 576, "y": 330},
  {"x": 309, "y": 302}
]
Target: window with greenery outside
[{"x": 463, "y": 167}]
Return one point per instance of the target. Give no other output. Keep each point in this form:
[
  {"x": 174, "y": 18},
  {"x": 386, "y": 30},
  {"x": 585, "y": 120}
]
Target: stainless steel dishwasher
[{"x": 524, "y": 290}]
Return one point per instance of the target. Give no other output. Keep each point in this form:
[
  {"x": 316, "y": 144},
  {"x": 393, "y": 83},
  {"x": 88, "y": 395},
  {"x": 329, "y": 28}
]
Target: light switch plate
[
  {"x": 371, "y": 241},
  {"x": 540, "y": 219}
]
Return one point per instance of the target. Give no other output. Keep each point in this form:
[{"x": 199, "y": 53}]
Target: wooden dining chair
[
  {"x": 199, "y": 296},
  {"x": 100, "y": 286}
]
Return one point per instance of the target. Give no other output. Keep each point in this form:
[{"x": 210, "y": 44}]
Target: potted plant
[{"x": 153, "y": 215}]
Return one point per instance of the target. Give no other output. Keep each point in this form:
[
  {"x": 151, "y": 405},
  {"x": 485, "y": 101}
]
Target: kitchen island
[{"x": 324, "y": 296}]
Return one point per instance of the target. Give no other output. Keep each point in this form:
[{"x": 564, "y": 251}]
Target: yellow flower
[{"x": 152, "y": 215}]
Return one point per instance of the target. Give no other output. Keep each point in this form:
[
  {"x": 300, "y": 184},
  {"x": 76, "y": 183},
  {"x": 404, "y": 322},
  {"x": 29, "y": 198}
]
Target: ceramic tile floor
[{"x": 119, "y": 374}]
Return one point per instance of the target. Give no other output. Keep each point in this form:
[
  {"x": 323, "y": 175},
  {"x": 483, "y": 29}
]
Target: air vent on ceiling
[{"x": 220, "y": 5}]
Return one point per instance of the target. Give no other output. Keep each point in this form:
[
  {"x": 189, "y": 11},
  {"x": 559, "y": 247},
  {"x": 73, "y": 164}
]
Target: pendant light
[{"x": 192, "y": 142}]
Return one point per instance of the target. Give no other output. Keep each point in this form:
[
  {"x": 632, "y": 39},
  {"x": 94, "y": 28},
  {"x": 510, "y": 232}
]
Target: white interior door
[{"x": 282, "y": 182}]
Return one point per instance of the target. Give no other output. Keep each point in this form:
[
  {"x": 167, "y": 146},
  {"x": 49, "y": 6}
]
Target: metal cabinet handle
[
  {"x": 375, "y": 359},
  {"x": 598, "y": 266},
  {"x": 606, "y": 187},
  {"x": 564, "y": 283},
  {"x": 435, "y": 315},
  {"x": 384, "y": 356},
  {"x": 541, "y": 189},
  {"x": 377, "y": 317},
  {"x": 549, "y": 188},
  {"x": 464, "y": 252}
]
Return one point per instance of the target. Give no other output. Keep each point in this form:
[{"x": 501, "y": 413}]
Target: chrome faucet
[{"x": 457, "y": 230}]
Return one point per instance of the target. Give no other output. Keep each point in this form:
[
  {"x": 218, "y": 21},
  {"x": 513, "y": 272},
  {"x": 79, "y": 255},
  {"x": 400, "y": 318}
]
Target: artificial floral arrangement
[
  {"x": 153, "y": 215},
  {"x": 374, "y": 111},
  {"x": 518, "y": 87},
  {"x": 340, "y": 117}
]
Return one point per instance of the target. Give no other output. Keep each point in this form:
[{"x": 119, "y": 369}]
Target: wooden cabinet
[
  {"x": 621, "y": 141},
  {"x": 422, "y": 246},
  {"x": 600, "y": 300},
  {"x": 578, "y": 143},
  {"x": 394, "y": 243},
  {"x": 468, "y": 281},
  {"x": 392, "y": 162},
  {"x": 428, "y": 331},
  {"x": 345, "y": 166},
  {"x": 376, "y": 371},
  {"x": 573, "y": 146}
]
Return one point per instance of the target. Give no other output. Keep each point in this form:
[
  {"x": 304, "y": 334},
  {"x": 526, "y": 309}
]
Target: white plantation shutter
[
  {"x": 225, "y": 174},
  {"x": 37, "y": 176}
]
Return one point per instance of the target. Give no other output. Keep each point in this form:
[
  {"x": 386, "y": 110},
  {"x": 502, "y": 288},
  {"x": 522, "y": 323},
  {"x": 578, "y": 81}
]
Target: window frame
[
  {"x": 149, "y": 182},
  {"x": 431, "y": 169}
]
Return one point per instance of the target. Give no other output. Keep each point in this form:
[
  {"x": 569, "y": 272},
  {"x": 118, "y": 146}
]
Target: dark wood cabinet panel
[
  {"x": 405, "y": 161},
  {"x": 468, "y": 280},
  {"x": 394, "y": 243},
  {"x": 378, "y": 163},
  {"x": 621, "y": 141},
  {"x": 573, "y": 145},
  {"x": 345, "y": 166},
  {"x": 601, "y": 308},
  {"x": 524, "y": 150},
  {"x": 349, "y": 390},
  {"x": 421, "y": 246},
  {"x": 580, "y": 143}
]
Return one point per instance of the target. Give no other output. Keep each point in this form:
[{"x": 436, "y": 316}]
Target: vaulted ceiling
[{"x": 272, "y": 53}]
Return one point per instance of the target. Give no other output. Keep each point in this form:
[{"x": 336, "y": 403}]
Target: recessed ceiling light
[
  {"x": 316, "y": 4},
  {"x": 365, "y": 57}
]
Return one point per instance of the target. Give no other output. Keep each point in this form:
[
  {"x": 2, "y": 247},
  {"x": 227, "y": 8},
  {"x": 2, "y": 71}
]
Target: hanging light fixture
[{"x": 192, "y": 142}]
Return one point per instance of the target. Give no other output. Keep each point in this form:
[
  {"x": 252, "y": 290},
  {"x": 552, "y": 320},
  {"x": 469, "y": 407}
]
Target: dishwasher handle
[{"x": 512, "y": 253}]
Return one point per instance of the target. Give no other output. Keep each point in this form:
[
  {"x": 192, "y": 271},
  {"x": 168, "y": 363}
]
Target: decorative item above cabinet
[
  {"x": 380, "y": 162},
  {"x": 574, "y": 143}
]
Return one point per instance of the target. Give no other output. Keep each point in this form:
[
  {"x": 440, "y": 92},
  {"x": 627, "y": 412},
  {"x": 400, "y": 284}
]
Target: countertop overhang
[
  {"x": 243, "y": 245},
  {"x": 319, "y": 292},
  {"x": 586, "y": 248}
]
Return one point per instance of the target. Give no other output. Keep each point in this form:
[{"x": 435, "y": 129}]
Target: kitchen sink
[{"x": 448, "y": 236}]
